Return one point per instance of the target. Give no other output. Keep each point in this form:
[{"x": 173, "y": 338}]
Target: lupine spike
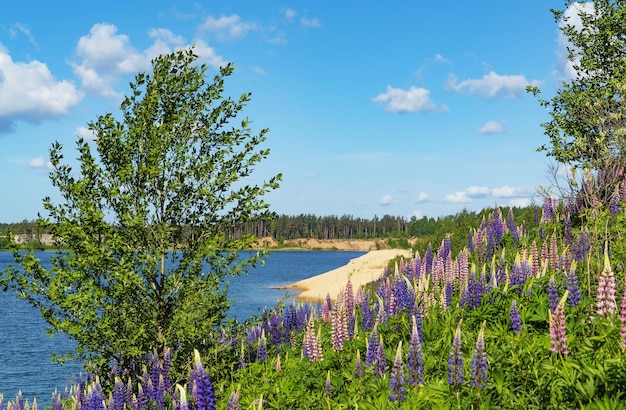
[
  {"x": 605, "y": 298},
  {"x": 478, "y": 369},
  {"x": 397, "y": 379},
  {"x": 327, "y": 386},
  {"x": 558, "y": 336},
  {"x": 455, "y": 360}
]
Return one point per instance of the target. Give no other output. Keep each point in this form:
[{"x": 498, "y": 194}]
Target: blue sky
[{"x": 403, "y": 108}]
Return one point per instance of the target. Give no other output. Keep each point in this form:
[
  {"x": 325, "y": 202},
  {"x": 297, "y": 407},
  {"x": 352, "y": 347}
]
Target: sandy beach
[{"x": 359, "y": 271}]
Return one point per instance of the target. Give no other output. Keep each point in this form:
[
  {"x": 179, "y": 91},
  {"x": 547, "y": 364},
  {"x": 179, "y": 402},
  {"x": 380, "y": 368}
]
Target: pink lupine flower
[
  {"x": 605, "y": 297},
  {"x": 339, "y": 325},
  {"x": 622, "y": 319},
  {"x": 558, "y": 336}
]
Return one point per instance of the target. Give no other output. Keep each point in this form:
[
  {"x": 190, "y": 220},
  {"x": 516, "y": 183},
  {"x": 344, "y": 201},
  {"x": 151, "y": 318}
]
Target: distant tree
[{"x": 144, "y": 220}]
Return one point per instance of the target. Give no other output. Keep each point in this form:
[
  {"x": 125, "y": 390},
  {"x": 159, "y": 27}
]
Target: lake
[{"x": 25, "y": 349}]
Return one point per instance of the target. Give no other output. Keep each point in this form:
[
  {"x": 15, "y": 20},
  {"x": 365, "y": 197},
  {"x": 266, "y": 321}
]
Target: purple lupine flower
[
  {"x": 202, "y": 393},
  {"x": 516, "y": 320},
  {"x": 470, "y": 242},
  {"x": 605, "y": 297},
  {"x": 553, "y": 294},
  {"x": 573, "y": 287},
  {"x": 478, "y": 370},
  {"x": 349, "y": 297},
  {"x": 473, "y": 292},
  {"x": 372, "y": 348},
  {"x": 548, "y": 210},
  {"x": 312, "y": 343},
  {"x": 261, "y": 353},
  {"x": 428, "y": 258},
  {"x": 380, "y": 362},
  {"x": 622, "y": 319},
  {"x": 182, "y": 400},
  {"x": 233, "y": 400},
  {"x": 415, "y": 362},
  {"x": 358, "y": 365},
  {"x": 327, "y": 386},
  {"x": 558, "y": 336},
  {"x": 455, "y": 361},
  {"x": 119, "y": 395},
  {"x": 397, "y": 378}
]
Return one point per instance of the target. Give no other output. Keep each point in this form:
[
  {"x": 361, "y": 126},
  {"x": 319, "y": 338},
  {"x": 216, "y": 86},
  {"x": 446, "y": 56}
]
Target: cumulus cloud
[
  {"x": 422, "y": 197},
  {"x": 106, "y": 56},
  {"x": 458, "y": 197},
  {"x": 228, "y": 27},
  {"x": 468, "y": 195},
  {"x": 492, "y": 127},
  {"x": 386, "y": 200},
  {"x": 85, "y": 133},
  {"x": 37, "y": 162},
  {"x": 571, "y": 17},
  {"x": 508, "y": 191},
  {"x": 491, "y": 85},
  {"x": 417, "y": 214},
  {"x": 397, "y": 100},
  {"x": 520, "y": 202},
  {"x": 29, "y": 92}
]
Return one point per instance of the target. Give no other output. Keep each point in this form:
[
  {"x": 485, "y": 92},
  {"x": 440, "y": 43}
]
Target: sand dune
[{"x": 359, "y": 271}]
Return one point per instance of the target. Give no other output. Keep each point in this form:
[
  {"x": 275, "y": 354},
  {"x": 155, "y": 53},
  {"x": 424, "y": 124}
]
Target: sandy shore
[{"x": 359, "y": 271}]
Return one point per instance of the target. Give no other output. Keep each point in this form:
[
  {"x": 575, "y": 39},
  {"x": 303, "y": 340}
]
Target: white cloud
[
  {"x": 228, "y": 27},
  {"x": 508, "y": 191},
  {"x": 107, "y": 56},
  {"x": 491, "y": 127},
  {"x": 310, "y": 22},
  {"x": 458, "y": 197},
  {"x": 571, "y": 16},
  {"x": 37, "y": 162},
  {"x": 417, "y": 214},
  {"x": 520, "y": 202},
  {"x": 415, "y": 99},
  {"x": 422, "y": 197},
  {"x": 491, "y": 85},
  {"x": 29, "y": 92},
  {"x": 468, "y": 195},
  {"x": 477, "y": 191},
  {"x": 85, "y": 133},
  {"x": 387, "y": 200}
]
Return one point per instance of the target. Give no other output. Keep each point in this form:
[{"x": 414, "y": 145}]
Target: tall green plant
[{"x": 144, "y": 220}]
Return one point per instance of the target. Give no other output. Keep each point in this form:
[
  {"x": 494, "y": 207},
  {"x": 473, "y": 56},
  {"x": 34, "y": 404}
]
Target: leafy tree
[
  {"x": 588, "y": 113},
  {"x": 144, "y": 220}
]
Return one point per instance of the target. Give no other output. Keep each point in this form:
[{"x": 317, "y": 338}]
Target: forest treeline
[{"x": 286, "y": 227}]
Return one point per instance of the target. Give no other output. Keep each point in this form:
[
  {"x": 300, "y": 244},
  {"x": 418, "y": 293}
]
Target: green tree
[
  {"x": 588, "y": 113},
  {"x": 144, "y": 221}
]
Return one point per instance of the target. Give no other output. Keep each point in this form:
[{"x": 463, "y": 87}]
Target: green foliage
[
  {"x": 587, "y": 114},
  {"x": 143, "y": 220}
]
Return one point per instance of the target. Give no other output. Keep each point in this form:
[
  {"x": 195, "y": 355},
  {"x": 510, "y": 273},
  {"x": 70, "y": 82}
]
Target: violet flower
[
  {"x": 397, "y": 378},
  {"x": 380, "y": 364},
  {"x": 553, "y": 295},
  {"x": 573, "y": 287},
  {"x": 455, "y": 360},
  {"x": 478, "y": 370},
  {"x": 202, "y": 393},
  {"x": 516, "y": 321},
  {"x": 372, "y": 348},
  {"x": 233, "y": 401},
  {"x": 261, "y": 353},
  {"x": 327, "y": 386},
  {"x": 358, "y": 366}
]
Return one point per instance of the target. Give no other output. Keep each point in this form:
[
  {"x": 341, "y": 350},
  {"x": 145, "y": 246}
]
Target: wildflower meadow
[{"x": 524, "y": 316}]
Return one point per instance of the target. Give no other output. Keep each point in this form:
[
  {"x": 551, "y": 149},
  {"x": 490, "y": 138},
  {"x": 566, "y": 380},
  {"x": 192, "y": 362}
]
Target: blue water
[{"x": 25, "y": 349}]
